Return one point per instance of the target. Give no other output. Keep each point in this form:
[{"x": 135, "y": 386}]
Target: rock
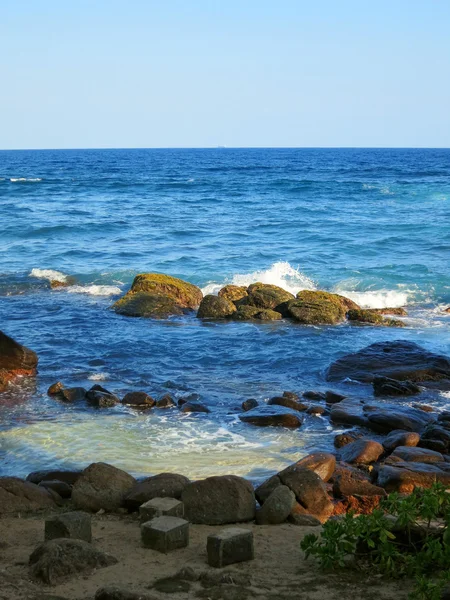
[
  {"x": 18, "y": 496},
  {"x": 165, "y": 534},
  {"x": 302, "y": 520},
  {"x": 116, "y": 593},
  {"x": 348, "y": 412},
  {"x": 215, "y": 307},
  {"x": 219, "y": 500},
  {"x": 405, "y": 477},
  {"x": 311, "y": 395},
  {"x": 233, "y": 292},
  {"x": 56, "y": 560},
  {"x": 421, "y": 455},
  {"x": 187, "y": 574},
  {"x": 424, "y": 407},
  {"x": 318, "y": 308},
  {"x": 245, "y": 313},
  {"x": 349, "y": 482},
  {"x": 384, "y": 386},
  {"x": 158, "y": 295},
  {"x": 287, "y": 403},
  {"x": 194, "y": 407},
  {"x": 266, "y": 488},
  {"x": 437, "y": 433},
  {"x": 342, "y": 439},
  {"x": 321, "y": 463},
  {"x": 101, "y": 398},
  {"x": 62, "y": 489},
  {"x": 55, "y": 389},
  {"x": 362, "y": 452},
  {"x": 399, "y": 359},
  {"x": 69, "y": 477},
  {"x": 436, "y": 445},
  {"x": 230, "y": 546},
  {"x": 268, "y": 315},
  {"x": 164, "y": 485},
  {"x": 166, "y": 402},
  {"x": 388, "y": 418},
  {"x": 171, "y": 585},
  {"x": 316, "y": 410},
  {"x": 138, "y": 400},
  {"x": 102, "y": 486},
  {"x": 309, "y": 491},
  {"x": 400, "y": 438},
  {"x": 249, "y": 404},
  {"x": 358, "y": 504},
  {"x": 15, "y": 360},
  {"x": 274, "y": 419},
  {"x": 277, "y": 507},
  {"x": 372, "y": 317},
  {"x": 291, "y": 395},
  {"x": 333, "y": 397},
  {"x": 73, "y": 394},
  {"x": 266, "y": 296},
  {"x": 75, "y": 525},
  {"x": 161, "y": 507},
  {"x": 399, "y": 311}
]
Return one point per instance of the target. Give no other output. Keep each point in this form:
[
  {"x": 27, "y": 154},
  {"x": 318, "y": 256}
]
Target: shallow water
[{"x": 370, "y": 224}]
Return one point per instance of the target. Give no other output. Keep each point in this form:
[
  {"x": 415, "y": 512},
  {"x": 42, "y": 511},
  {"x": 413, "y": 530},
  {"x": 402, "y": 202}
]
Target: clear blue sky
[{"x": 198, "y": 73}]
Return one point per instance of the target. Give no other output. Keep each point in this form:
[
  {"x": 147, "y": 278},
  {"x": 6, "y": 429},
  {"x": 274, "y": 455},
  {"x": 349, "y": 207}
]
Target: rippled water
[{"x": 370, "y": 224}]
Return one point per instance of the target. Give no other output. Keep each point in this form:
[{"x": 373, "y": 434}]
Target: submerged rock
[
  {"x": 318, "y": 308},
  {"x": 400, "y": 360},
  {"x": 15, "y": 360},
  {"x": 194, "y": 407},
  {"x": 215, "y": 307}
]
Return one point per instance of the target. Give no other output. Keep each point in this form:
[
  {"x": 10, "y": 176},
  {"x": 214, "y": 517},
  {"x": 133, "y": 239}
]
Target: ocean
[{"x": 370, "y": 224}]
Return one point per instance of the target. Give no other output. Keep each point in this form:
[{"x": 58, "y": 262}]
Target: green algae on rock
[
  {"x": 143, "y": 304},
  {"x": 318, "y": 308},
  {"x": 215, "y": 307},
  {"x": 233, "y": 292},
  {"x": 266, "y": 296},
  {"x": 372, "y": 317}
]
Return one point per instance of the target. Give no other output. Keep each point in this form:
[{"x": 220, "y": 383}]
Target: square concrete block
[
  {"x": 230, "y": 546},
  {"x": 74, "y": 525},
  {"x": 165, "y": 534},
  {"x": 161, "y": 507}
]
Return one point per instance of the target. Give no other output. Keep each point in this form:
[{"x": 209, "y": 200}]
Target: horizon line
[{"x": 220, "y": 147}]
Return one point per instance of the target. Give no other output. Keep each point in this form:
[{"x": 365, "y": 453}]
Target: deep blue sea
[{"x": 370, "y": 224}]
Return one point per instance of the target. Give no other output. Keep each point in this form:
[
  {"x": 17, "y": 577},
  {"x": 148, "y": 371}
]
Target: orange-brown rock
[{"x": 15, "y": 360}]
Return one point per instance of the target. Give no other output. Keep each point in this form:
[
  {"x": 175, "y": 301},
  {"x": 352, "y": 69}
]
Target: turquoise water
[{"x": 370, "y": 224}]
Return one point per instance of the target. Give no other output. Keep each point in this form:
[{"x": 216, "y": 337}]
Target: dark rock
[
  {"x": 229, "y": 546},
  {"x": 388, "y": 418},
  {"x": 309, "y": 491},
  {"x": 436, "y": 432},
  {"x": 399, "y": 311},
  {"x": 400, "y": 359},
  {"x": 138, "y": 400},
  {"x": 400, "y": 438},
  {"x": 62, "y": 489},
  {"x": 348, "y": 412},
  {"x": 166, "y": 402},
  {"x": 263, "y": 491},
  {"x": 311, "y": 395},
  {"x": 405, "y": 477},
  {"x": 342, "y": 439},
  {"x": 424, "y": 407},
  {"x": 75, "y": 525},
  {"x": 233, "y": 292},
  {"x": 69, "y": 477},
  {"x": 362, "y": 452},
  {"x": 215, "y": 307},
  {"x": 249, "y": 404},
  {"x": 17, "y": 496},
  {"x": 165, "y": 534},
  {"x": 421, "y": 455},
  {"x": 187, "y": 574},
  {"x": 55, "y": 389},
  {"x": 56, "y": 560},
  {"x": 333, "y": 397},
  {"x": 116, "y": 593},
  {"x": 274, "y": 419},
  {"x": 316, "y": 410},
  {"x": 101, "y": 398},
  {"x": 102, "y": 486},
  {"x": 219, "y": 500},
  {"x": 15, "y": 360},
  {"x": 384, "y": 386},
  {"x": 287, "y": 402},
  {"x": 164, "y": 485},
  {"x": 194, "y": 407},
  {"x": 277, "y": 507},
  {"x": 245, "y": 313},
  {"x": 74, "y": 394},
  {"x": 436, "y": 445},
  {"x": 172, "y": 585},
  {"x": 291, "y": 395}
]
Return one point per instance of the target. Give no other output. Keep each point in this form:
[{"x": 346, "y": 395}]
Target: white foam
[
  {"x": 48, "y": 274},
  {"x": 98, "y": 377},
  {"x": 94, "y": 290},
  {"x": 376, "y": 298},
  {"x": 281, "y": 274},
  {"x": 22, "y": 179}
]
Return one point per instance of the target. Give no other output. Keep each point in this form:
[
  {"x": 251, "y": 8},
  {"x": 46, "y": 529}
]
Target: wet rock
[
  {"x": 316, "y": 410},
  {"x": 291, "y": 395},
  {"x": 102, "y": 486},
  {"x": 62, "y": 489},
  {"x": 311, "y": 395},
  {"x": 163, "y": 485},
  {"x": 263, "y": 491},
  {"x": 373, "y": 318},
  {"x": 385, "y": 419},
  {"x": 194, "y": 407},
  {"x": 362, "y": 452},
  {"x": 150, "y": 306},
  {"x": 436, "y": 445},
  {"x": 69, "y": 477},
  {"x": 249, "y": 404},
  {"x": 73, "y": 394},
  {"x": 166, "y": 402},
  {"x": 275, "y": 419},
  {"x": 112, "y": 592},
  {"x": 245, "y": 313},
  {"x": 309, "y": 490},
  {"x": 400, "y": 438},
  {"x": 100, "y": 397},
  {"x": 15, "y": 360},
  {"x": 405, "y": 477},
  {"x": 424, "y": 407},
  {"x": 138, "y": 400},
  {"x": 398, "y": 311},
  {"x": 317, "y": 308},
  {"x": 287, "y": 403},
  {"x": 342, "y": 439},
  {"x": 268, "y": 315},
  {"x": 233, "y": 292},
  {"x": 436, "y": 432},
  {"x": 17, "y": 496},
  {"x": 421, "y": 455},
  {"x": 399, "y": 359},
  {"x": 277, "y": 507},
  {"x": 75, "y": 525},
  {"x": 57, "y": 560},
  {"x": 333, "y": 397},
  {"x": 215, "y": 307},
  {"x": 266, "y": 296},
  {"x": 349, "y": 412},
  {"x": 219, "y": 500},
  {"x": 384, "y": 386},
  {"x": 55, "y": 388},
  {"x": 321, "y": 463}
]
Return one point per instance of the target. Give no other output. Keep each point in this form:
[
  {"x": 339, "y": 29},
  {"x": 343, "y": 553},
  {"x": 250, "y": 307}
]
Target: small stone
[
  {"x": 342, "y": 439},
  {"x": 160, "y": 507},
  {"x": 230, "y": 546},
  {"x": 55, "y": 389},
  {"x": 74, "y": 525},
  {"x": 333, "y": 397},
  {"x": 249, "y": 404},
  {"x": 165, "y": 534},
  {"x": 311, "y": 395},
  {"x": 166, "y": 402},
  {"x": 291, "y": 395},
  {"x": 315, "y": 409},
  {"x": 192, "y": 407},
  {"x": 187, "y": 574}
]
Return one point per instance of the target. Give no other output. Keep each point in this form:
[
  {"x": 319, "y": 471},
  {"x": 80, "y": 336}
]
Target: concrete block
[
  {"x": 74, "y": 525},
  {"x": 161, "y": 507},
  {"x": 165, "y": 534},
  {"x": 230, "y": 546}
]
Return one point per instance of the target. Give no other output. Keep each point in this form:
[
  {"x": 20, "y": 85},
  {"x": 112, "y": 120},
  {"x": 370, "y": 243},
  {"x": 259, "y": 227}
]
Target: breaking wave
[{"x": 49, "y": 274}]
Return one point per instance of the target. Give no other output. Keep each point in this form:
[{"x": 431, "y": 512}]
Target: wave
[
  {"x": 24, "y": 179},
  {"x": 281, "y": 274},
  {"x": 94, "y": 290},
  {"x": 49, "y": 274},
  {"x": 377, "y": 298}
]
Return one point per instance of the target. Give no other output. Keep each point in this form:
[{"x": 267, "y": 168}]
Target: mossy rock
[
  {"x": 186, "y": 294},
  {"x": 268, "y": 315},
  {"x": 317, "y": 308},
  {"x": 266, "y": 296},
  {"x": 215, "y": 307},
  {"x": 399, "y": 311},
  {"x": 143, "y": 304},
  {"x": 245, "y": 313},
  {"x": 233, "y": 292},
  {"x": 373, "y": 318}
]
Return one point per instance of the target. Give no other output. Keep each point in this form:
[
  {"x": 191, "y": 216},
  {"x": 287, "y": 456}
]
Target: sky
[{"x": 237, "y": 73}]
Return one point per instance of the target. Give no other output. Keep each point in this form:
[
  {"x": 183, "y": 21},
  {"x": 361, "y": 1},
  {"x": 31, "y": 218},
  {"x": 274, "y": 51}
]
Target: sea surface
[{"x": 373, "y": 225}]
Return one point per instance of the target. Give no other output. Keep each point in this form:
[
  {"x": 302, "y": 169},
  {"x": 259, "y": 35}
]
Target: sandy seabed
[{"x": 279, "y": 570}]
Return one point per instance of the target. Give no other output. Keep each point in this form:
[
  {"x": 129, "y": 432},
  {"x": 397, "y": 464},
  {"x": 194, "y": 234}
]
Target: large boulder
[
  {"x": 399, "y": 359},
  {"x": 404, "y": 477},
  {"x": 17, "y": 496},
  {"x": 414, "y": 454},
  {"x": 371, "y": 317},
  {"x": 233, "y": 292},
  {"x": 264, "y": 295},
  {"x": 398, "y": 437},
  {"x": 215, "y": 307},
  {"x": 309, "y": 490},
  {"x": 386, "y": 418},
  {"x": 362, "y": 452},
  {"x": 219, "y": 500},
  {"x": 57, "y": 560},
  {"x": 158, "y": 295},
  {"x": 15, "y": 360},
  {"x": 318, "y": 308},
  {"x": 348, "y": 412},
  {"x": 101, "y": 486},
  {"x": 163, "y": 485},
  {"x": 349, "y": 481},
  {"x": 321, "y": 463},
  {"x": 277, "y": 507}
]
